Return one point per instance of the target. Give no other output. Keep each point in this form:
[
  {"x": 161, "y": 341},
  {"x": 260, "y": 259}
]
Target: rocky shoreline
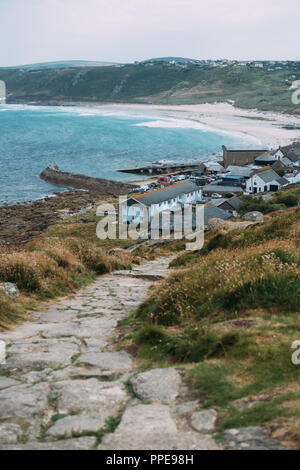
[{"x": 21, "y": 223}]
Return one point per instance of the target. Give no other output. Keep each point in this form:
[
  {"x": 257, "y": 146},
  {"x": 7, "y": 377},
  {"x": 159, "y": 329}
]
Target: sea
[{"x": 95, "y": 142}]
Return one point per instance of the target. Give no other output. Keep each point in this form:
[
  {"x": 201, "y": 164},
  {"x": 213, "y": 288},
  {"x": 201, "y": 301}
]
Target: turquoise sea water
[{"x": 95, "y": 143}]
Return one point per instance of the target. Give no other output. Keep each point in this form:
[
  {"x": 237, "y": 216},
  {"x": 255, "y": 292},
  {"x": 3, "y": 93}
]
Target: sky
[{"x": 128, "y": 30}]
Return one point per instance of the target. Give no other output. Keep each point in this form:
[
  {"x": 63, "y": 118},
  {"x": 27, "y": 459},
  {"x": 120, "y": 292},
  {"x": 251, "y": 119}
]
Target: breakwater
[{"x": 54, "y": 175}]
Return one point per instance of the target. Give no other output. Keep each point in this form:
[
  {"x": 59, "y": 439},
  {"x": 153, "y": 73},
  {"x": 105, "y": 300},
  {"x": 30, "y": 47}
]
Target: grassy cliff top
[{"x": 265, "y": 88}]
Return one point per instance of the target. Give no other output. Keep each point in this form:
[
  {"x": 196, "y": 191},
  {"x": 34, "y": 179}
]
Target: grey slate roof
[
  {"x": 270, "y": 175},
  {"x": 287, "y": 161},
  {"x": 294, "y": 155},
  {"x": 211, "y": 212},
  {"x": 233, "y": 202},
  {"x": 223, "y": 189},
  {"x": 266, "y": 158},
  {"x": 217, "y": 202},
  {"x": 239, "y": 170},
  {"x": 278, "y": 165},
  {"x": 165, "y": 194}
]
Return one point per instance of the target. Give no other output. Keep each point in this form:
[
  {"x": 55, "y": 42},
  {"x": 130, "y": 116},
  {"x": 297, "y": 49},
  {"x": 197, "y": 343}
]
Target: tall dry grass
[
  {"x": 49, "y": 267},
  {"x": 234, "y": 276}
]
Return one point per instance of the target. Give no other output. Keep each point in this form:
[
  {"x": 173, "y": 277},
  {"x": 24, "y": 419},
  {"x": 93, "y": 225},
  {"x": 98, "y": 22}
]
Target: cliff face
[{"x": 100, "y": 185}]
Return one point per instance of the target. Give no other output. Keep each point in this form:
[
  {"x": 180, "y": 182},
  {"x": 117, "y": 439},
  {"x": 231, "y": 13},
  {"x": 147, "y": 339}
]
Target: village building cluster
[{"x": 216, "y": 184}]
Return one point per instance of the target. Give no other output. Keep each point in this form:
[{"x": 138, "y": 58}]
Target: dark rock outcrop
[{"x": 54, "y": 175}]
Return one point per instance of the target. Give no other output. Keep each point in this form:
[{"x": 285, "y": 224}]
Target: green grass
[
  {"x": 228, "y": 317},
  {"x": 247, "y": 86},
  {"x": 281, "y": 291},
  {"x": 111, "y": 423},
  {"x": 268, "y": 366}
]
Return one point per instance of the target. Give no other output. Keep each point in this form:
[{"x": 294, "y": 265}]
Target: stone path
[{"x": 64, "y": 386}]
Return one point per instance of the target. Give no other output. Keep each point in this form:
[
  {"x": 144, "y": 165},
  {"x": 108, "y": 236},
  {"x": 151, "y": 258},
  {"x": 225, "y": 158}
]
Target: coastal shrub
[
  {"x": 59, "y": 251},
  {"x": 283, "y": 255},
  {"x": 95, "y": 259},
  {"x": 35, "y": 272},
  {"x": 65, "y": 259},
  {"x": 250, "y": 203},
  {"x": 197, "y": 344},
  {"x": 91, "y": 256},
  {"x": 49, "y": 267},
  {"x": 151, "y": 335},
  {"x": 281, "y": 291},
  {"x": 288, "y": 200},
  {"x": 8, "y": 313},
  {"x": 194, "y": 344},
  {"x": 21, "y": 274},
  {"x": 163, "y": 309},
  {"x": 228, "y": 282}
]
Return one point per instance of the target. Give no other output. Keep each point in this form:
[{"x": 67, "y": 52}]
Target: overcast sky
[{"x": 127, "y": 30}]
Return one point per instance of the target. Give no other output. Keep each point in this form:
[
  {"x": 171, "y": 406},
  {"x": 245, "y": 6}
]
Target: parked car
[
  {"x": 135, "y": 190},
  {"x": 229, "y": 195},
  {"x": 216, "y": 196},
  {"x": 164, "y": 179}
]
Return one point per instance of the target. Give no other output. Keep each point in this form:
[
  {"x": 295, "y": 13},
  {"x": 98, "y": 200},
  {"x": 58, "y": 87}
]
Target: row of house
[
  {"x": 288, "y": 156},
  {"x": 258, "y": 171}
]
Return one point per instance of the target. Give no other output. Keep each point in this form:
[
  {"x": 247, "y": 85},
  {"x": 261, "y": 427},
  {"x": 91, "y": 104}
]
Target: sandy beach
[{"x": 266, "y": 129}]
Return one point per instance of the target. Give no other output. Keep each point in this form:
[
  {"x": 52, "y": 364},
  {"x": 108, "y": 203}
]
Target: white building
[
  {"x": 293, "y": 179},
  {"x": 265, "y": 180},
  {"x": 171, "y": 198}
]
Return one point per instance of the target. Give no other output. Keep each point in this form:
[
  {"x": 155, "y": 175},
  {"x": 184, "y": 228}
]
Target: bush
[
  {"x": 250, "y": 203},
  {"x": 8, "y": 314},
  {"x": 279, "y": 290},
  {"x": 151, "y": 335},
  {"x": 288, "y": 200},
  {"x": 19, "y": 273},
  {"x": 196, "y": 344}
]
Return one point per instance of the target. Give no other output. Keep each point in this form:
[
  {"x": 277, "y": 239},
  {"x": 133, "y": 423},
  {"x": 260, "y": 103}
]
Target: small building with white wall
[
  {"x": 171, "y": 198},
  {"x": 265, "y": 180}
]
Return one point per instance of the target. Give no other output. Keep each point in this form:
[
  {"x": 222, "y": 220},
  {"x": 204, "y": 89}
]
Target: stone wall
[{"x": 240, "y": 157}]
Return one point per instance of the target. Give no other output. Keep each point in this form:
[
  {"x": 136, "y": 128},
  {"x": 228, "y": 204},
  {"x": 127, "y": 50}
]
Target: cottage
[
  {"x": 269, "y": 158},
  {"x": 211, "y": 212},
  {"x": 265, "y": 180},
  {"x": 211, "y": 167},
  {"x": 294, "y": 157},
  {"x": 143, "y": 207},
  {"x": 293, "y": 178},
  {"x": 231, "y": 205},
  {"x": 240, "y": 157},
  {"x": 175, "y": 222}
]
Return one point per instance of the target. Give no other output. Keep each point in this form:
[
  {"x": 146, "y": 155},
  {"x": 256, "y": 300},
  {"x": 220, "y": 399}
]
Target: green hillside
[
  {"x": 227, "y": 317},
  {"x": 265, "y": 86}
]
